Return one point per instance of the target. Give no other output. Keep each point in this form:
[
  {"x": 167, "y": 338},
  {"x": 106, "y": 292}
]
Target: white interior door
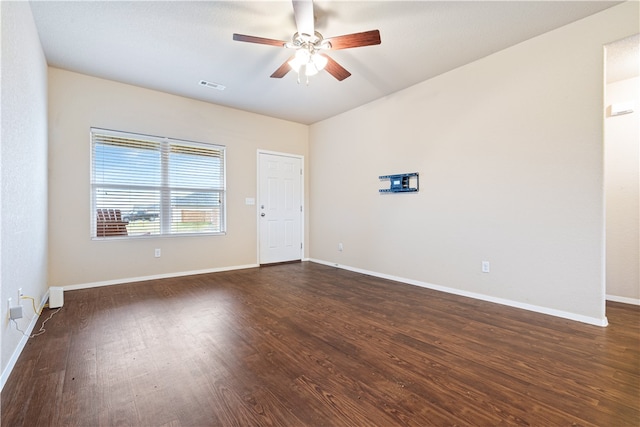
[{"x": 280, "y": 208}]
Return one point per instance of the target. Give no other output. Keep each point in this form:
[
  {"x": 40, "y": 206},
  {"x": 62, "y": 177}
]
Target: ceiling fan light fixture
[
  {"x": 310, "y": 69},
  {"x": 319, "y": 61},
  {"x": 309, "y": 59},
  {"x": 301, "y": 58}
]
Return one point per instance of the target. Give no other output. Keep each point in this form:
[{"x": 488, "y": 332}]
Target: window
[{"x": 152, "y": 186}]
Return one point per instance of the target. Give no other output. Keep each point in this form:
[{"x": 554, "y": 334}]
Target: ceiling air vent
[{"x": 212, "y": 85}]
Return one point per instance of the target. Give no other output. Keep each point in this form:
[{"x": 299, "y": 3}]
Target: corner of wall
[{"x": 23, "y": 171}]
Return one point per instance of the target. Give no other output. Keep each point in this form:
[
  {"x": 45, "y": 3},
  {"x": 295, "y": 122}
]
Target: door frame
[{"x": 303, "y": 214}]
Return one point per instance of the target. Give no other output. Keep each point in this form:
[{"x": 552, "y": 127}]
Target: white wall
[
  {"x": 622, "y": 193},
  {"x": 78, "y": 102},
  {"x": 23, "y": 176},
  {"x": 509, "y": 151}
]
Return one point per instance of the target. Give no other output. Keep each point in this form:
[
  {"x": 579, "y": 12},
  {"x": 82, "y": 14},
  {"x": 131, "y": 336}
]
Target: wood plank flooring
[{"x": 309, "y": 345}]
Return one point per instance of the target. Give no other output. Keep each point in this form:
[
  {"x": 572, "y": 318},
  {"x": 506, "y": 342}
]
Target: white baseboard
[
  {"x": 23, "y": 342},
  {"x": 614, "y": 298},
  {"x": 154, "y": 277},
  {"x": 529, "y": 307}
]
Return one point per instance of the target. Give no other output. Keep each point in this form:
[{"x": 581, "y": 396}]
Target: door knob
[{"x": 262, "y": 214}]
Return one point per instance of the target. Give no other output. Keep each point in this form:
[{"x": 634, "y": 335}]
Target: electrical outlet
[
  {"x": 157, "y": 253},
  {"x": 486, "y": 267},
  {"x": 340, "y": 247}
]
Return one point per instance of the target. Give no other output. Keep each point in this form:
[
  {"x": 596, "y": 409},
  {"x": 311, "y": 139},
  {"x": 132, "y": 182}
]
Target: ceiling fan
[{"x": 308, "y": 44}]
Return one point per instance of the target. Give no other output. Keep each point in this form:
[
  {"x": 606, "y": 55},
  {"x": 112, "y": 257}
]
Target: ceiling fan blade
[
  {"x": 259, "y": 40},
  {"x": 303, "y": 12},
  {"x": 335, "y": 69},
  {"x": 282, "y": 70},
  {"x": 347, "y": 41}
]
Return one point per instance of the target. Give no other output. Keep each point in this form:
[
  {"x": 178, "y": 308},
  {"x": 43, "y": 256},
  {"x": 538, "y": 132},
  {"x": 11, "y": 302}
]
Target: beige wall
[
  {"x": 622, "y": 184},
  {"x": 23, "y": 177},
  {"x": 509, "y": 151},
  {"x": 78, "y": 102}
]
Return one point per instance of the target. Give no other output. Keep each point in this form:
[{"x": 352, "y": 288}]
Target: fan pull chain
[{"x": 298, "y": 80}]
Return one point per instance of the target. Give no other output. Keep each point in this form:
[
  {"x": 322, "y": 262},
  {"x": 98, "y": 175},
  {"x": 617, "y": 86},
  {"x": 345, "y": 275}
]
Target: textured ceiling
[{"x": 171, "y": 46}]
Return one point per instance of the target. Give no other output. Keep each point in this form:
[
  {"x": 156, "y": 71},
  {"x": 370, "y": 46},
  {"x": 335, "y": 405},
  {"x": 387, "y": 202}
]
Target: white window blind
[{"x": 146, "y": 185}]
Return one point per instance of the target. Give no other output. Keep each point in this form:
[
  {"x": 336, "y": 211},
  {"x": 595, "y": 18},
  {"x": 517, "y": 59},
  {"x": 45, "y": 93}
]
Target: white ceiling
[{"x": 171, "y": 45}]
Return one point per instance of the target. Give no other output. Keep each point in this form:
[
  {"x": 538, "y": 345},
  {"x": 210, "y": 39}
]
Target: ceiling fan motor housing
[{"x": 311, "y": 42}]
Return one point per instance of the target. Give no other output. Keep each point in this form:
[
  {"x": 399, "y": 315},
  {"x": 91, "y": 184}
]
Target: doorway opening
[{"x": 621, "y": 170}]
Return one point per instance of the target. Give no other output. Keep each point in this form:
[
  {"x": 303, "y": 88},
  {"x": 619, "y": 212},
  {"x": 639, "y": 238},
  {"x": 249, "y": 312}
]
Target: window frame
[{"x": 165, "y": 190}]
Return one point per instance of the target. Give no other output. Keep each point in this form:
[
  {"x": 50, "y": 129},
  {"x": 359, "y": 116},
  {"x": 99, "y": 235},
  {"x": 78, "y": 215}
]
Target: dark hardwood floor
[{"x": 309, "y": 345}]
